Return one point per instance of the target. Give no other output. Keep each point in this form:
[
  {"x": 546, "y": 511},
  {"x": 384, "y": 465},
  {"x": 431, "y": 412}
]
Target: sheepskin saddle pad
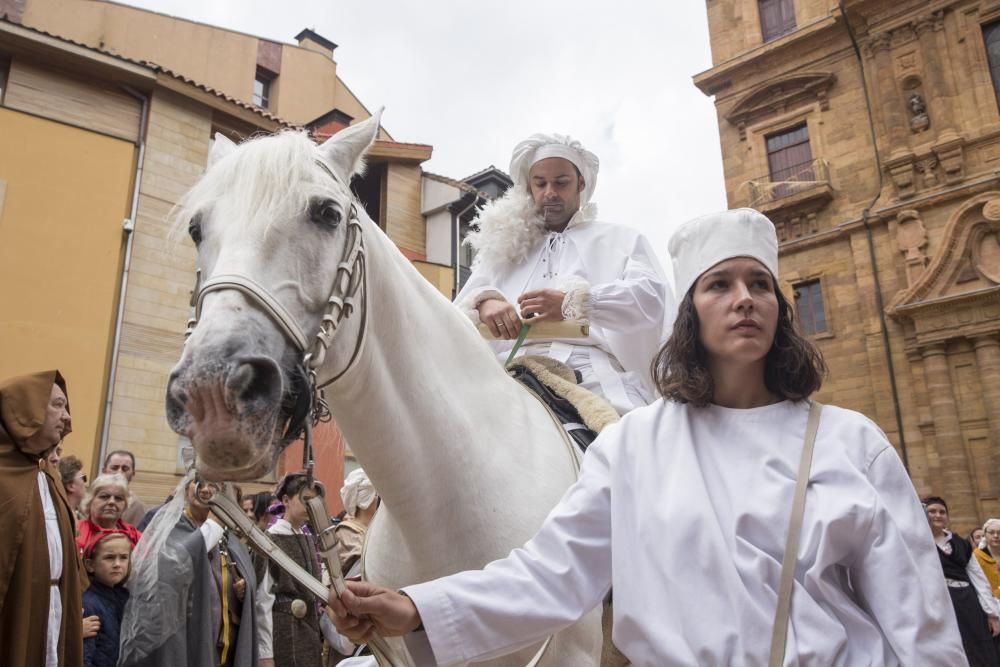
[{"x": 582, "y": 413}]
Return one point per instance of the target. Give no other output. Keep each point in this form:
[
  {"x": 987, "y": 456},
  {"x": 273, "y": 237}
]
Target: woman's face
[
  {"x": 107, "y": 506},
  {"x": 937, "y": 516},
  {"x": 737, "y": 311},
  {"x": 76, "y": 489},
  {"x": 993, "y": 538}
]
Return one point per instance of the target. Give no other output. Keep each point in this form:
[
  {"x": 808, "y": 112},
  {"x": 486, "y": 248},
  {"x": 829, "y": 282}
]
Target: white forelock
[{"x": 262, "y": 182}]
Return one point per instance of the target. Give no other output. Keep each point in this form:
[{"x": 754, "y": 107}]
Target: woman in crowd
[
  {"x": 975, "y": 607},
  {"x": 296, "y": 621},
  {"x": 40, "y": 609},
  {"x": 106, "y": 499},
  {"x": 685, "y": 508},
  {"x": 74, "y": 481},
  {"x": 988, "y": 552}
]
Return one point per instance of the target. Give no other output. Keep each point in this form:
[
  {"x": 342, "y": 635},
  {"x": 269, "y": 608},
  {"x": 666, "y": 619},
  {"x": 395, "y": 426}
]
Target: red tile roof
[{"x": 164, "y": 70}]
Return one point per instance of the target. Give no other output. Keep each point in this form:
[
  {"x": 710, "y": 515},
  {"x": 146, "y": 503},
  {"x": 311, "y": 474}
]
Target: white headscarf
[
  {"x": 509, "y": 227},
  {"x": 700, "y": 244},
  {"x": 357, "y": 492},
  {"x": 986, "y": 526},
  {"x": 539, "y": 147}
]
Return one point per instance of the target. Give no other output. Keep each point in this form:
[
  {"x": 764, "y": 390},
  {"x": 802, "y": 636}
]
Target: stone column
[
  {"x": 956, "y": 476},
  {"x": 938, "y": 87},
  {"x": 889, "y": 102},
  {"x": 988, "y": 360}
]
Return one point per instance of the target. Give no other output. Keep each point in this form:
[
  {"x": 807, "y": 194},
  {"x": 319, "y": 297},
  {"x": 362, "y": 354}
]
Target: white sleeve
[
  {"x": 982, "y": 586},
  {"x": 265, "y": 623},
  {"x": 539, "y": 589},
  {"x": 478, "y": 288},
  {"x": 897, "y": 573},
  {"x": 337, "y": 641},
  {"x": 635, "y": 300},
  {"x": 212, "y": 533}
]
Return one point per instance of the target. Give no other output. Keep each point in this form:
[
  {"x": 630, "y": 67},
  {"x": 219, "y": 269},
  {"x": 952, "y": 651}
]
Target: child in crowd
[{"x": 108, "y": 562}]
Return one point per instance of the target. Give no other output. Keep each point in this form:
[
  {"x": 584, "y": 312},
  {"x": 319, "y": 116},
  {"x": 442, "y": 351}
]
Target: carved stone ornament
[
  {"x": 986, "y": 253},
  {"x": 911, "y": 237},
  {"x": 991, "y": 210},
  {"x": 919, "y": 120},
  {"x": 778, "y": 95}
]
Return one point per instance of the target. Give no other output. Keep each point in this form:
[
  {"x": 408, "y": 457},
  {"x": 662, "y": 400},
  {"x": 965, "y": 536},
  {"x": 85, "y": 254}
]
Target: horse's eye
[
  {"x": 325, "y": 212},
  {"x": 194, "y": 228}
]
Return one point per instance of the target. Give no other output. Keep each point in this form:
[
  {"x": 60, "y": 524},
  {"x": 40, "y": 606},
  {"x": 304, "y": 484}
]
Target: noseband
[{"x": 350, "y": 280}]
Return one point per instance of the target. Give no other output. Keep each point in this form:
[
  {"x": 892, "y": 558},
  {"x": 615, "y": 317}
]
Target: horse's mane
[{"x": 263, "y": 180}]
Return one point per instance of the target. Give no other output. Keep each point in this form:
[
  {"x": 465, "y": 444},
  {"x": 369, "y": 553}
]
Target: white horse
[{"x": 467, "y": 462}]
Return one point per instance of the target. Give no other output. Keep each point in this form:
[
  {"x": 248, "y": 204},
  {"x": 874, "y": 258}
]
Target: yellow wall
[
  {"x": 306, "y": 88},
  {"x": 67, "y": 192}
]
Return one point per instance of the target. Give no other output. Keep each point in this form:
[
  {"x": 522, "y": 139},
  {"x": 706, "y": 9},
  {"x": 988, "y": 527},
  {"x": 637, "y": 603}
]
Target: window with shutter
[
  {"x": 809, "y": 307},
  {"x": 789, "y": 158},
  {"x": 777, "y": 18},
  {"x": 991, "y": 36}
]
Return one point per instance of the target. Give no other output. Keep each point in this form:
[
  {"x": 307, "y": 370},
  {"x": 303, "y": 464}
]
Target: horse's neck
[{"x": 424, "y": 390}]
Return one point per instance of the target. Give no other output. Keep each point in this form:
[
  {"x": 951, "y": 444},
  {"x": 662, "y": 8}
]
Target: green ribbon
[{"x": 517, "y": 344}]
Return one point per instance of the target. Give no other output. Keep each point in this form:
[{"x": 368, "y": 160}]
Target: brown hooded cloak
[{"x": 24, "y": 551}]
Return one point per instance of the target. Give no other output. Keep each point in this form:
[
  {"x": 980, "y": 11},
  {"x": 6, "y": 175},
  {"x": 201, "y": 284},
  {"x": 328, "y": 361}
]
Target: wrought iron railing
[{"x": 793, "y": 180}]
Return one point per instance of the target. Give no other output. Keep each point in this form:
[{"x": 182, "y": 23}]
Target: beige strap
[{"x": 780, "y": 632}]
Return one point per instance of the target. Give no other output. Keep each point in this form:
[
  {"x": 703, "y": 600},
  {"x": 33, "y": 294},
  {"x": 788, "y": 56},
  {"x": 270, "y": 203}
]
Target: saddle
[{"x": 582, "y": 413}]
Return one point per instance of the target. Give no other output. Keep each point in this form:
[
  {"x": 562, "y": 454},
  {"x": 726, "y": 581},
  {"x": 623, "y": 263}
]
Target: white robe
[
  {"x": 618, "y": 286},
  {"x": 54, "y": 540},
  {"x": 685, "y": 512}
]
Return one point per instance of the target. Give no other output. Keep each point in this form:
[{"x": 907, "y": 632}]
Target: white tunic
[
  {"x": 685, "y": 512},
  {"x": 620, "y": 289},
  {"x": 54, "y": 541}
]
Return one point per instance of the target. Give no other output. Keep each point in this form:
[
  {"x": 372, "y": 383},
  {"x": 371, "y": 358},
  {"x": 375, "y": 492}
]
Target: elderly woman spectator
[
  {"x": 74, "y": 481},
  {"x": 40, "y": 583},
  {"x": 103, "y": 507},
  {"x": 988, "y": 553},
  {"x": 360, "y": 502}
]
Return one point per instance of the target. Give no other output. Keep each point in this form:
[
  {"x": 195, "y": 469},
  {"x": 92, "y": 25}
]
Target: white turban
[
  {"x": 357, "y": 492},
  {"x": 541, "y": 146},
  {"x": 700, "y": 244}
]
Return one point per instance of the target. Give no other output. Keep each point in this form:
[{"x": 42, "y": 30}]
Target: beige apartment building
[
  {"x": 106, "y": 114},
  {"x": 889, "y": 248}
]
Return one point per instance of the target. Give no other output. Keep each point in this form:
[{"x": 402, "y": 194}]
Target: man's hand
[
  {"x": 240, "y": 588},
  {"x": 364, "y": 609},
  {"x": 544, "y": 304},
  {"x": 265, "y": 662},
  {"x": 994, "y": 625},
  {"x": 91, "y": 625},
  {"x": 500, "y": 317}
]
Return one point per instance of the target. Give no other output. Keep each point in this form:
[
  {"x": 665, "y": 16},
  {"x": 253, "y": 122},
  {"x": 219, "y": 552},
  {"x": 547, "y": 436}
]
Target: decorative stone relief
[
  {"x": 919, "y": 120},
  {"x": 986, "y": 253},
  {"x": 911, "y": 237},
  {"x": 926, "y": 168},
  {"x": 952, "y": 158},
  {"x": 901, "y": 171}
]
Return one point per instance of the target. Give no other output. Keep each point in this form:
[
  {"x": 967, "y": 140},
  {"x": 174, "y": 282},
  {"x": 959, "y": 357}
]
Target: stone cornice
[{"x": 713, "y": 80}]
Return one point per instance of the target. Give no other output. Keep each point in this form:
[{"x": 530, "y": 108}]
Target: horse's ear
[
  {"x": 221, "y": 147},
  {"x": 345, "y": 151}
]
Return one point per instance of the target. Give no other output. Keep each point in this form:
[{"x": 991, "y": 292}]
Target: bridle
[{"x": 350, "y": 280}]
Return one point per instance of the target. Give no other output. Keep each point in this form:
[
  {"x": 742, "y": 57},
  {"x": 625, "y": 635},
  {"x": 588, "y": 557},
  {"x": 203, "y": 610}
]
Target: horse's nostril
[{"x": 255, "y": 379}]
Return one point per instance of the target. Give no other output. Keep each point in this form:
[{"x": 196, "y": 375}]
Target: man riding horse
[{"x": 543, "y": 256}]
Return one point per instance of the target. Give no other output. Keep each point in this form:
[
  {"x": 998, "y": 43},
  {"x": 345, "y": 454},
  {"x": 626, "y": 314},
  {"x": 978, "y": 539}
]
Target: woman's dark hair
[
  {"x": 793, "y": 369},
  {"x": 261, "y": 503},
  {"x": 934, "y": 500},
  {"x": 293, "y": 483}
]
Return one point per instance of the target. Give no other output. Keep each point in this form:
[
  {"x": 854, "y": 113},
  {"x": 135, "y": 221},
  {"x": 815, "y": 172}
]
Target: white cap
[
  {"x": 541, "y": 146},
  {"x": 357, "y": 491},
  {"x": 700, "y": 244}
]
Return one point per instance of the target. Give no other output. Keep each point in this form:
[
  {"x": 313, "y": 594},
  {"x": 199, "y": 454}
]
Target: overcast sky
[{"x": 473, "y": 78}]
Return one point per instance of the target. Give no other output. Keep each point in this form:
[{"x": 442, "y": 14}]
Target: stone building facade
[{"x": 888, "y": 246}]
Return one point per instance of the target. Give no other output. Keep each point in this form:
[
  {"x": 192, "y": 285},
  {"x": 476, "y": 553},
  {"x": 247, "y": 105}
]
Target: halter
[{"x": 351, "y": 278}]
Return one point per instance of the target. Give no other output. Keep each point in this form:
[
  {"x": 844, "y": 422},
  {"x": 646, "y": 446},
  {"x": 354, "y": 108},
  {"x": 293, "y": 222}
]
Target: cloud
[{"x": 472, "y": 80}]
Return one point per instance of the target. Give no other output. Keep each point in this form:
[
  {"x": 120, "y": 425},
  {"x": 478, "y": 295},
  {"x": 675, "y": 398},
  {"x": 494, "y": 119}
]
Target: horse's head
[{"x": 273, "y": 214}]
